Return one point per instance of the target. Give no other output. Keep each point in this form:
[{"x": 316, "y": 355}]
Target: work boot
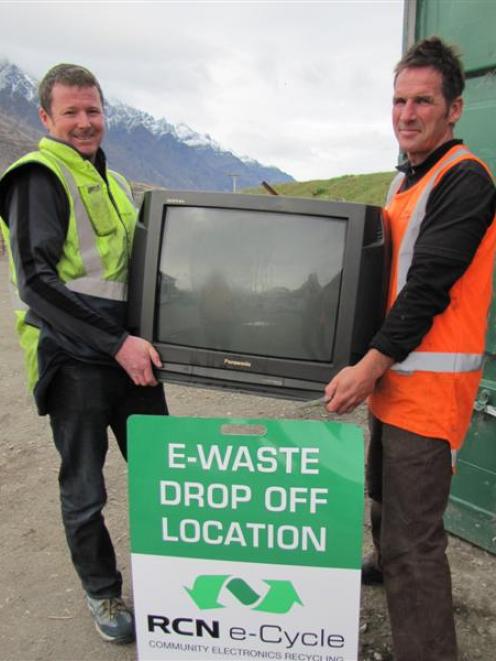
[
  {"x": 371, "y": 573},
  {"x": 114, "y": 621}
]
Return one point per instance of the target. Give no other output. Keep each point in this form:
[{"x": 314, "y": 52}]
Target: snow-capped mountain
[
  {"x": 12, "y": 78},
  {"x": 120, "y": 114},
  {"x": 143, "y": 147}
]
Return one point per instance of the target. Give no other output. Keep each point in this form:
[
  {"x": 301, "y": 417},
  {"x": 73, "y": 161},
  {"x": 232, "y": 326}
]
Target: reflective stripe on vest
[
  {"x": 93, "y": 284},
  {"x": 427, "y": 361},
  {"x": 394, "y": 187},
  {"x": 432, "y": 361},
  {"x": 454, "y": 457},
  {"x": 405, "y": 252},
  {"x": 17, "y": 302},
  {"x": 119, "y": 179}
]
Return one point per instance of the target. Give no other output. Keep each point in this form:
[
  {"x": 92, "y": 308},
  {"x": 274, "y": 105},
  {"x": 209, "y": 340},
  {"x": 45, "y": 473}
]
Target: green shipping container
[{"x": 470, "y": 24}]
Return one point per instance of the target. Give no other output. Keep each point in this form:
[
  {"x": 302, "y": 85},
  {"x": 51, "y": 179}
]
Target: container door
[{"x": 471, "y": 512}]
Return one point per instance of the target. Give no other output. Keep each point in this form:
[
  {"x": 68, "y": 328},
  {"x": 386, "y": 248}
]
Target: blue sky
[{"x": 305, "y": 86}]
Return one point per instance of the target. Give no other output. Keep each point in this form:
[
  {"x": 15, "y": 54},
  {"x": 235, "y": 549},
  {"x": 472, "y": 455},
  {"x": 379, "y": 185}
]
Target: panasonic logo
[{"x": 236, "y": 363}]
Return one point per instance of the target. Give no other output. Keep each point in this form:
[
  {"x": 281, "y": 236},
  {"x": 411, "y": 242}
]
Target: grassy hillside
[{"x": 365, "y": 188}]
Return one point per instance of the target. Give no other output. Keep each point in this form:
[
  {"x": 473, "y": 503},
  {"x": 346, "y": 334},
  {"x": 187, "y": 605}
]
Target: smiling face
[
  {"x": 76, "y": 118},
  {"x": 422, "y": 118}
]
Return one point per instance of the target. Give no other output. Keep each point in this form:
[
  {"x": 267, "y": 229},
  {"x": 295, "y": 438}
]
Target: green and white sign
[{"x": 246, "y": 538}]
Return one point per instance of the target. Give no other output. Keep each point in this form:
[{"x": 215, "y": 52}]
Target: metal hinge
[{"x": 482, "y": 405}]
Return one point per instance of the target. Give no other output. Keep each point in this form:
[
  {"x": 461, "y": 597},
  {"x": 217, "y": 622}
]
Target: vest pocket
[{"x": 98, "y": 208}]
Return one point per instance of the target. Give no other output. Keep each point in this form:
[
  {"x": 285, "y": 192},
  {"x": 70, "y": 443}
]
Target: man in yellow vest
[
  {"x": 69, "y": 222},
  {"x": 423, "y": 366}
]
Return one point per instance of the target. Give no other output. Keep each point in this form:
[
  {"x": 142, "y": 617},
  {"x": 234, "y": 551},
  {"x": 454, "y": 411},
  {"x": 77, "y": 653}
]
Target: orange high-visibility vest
[{"x": 432, "y": 391}]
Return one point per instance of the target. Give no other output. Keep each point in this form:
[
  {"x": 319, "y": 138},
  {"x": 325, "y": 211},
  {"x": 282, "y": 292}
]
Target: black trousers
[
  {"x": 408, "y": 480},
  {"x": 83, "y": 402}
]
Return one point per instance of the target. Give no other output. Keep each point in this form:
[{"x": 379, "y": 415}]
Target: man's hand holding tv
[
  {"x": 137, "y": 357},
  {"x": 352, "y": 385}
]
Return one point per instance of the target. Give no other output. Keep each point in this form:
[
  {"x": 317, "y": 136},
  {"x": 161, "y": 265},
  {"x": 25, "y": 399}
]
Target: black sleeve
[
  {"x": 459, "y": 211},
  {"x": 36, "y": 210}
]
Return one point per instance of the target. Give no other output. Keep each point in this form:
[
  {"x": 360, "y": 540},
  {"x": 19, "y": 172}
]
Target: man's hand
[
  {"x": 352, "y": 385},
  {"x": 136, "y": 356}
]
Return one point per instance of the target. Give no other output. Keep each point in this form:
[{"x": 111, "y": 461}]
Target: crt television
[{"x": 266, "y": 294}]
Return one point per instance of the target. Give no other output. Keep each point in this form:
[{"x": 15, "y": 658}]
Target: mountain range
[{"x": 145, "y": 149}]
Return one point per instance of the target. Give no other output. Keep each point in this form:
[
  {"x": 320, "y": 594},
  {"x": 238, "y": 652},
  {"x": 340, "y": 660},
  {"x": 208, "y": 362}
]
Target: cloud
[{"x": 304, "y": 86}]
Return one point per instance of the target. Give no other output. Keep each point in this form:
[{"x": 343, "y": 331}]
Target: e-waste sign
[{"x": 246, "y": 538}]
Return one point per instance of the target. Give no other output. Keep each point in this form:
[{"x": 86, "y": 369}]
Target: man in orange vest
[{"x": 423, "y": 367}]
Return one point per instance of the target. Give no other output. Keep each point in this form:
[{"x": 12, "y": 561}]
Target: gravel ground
[{"x": 43, "y": 616}]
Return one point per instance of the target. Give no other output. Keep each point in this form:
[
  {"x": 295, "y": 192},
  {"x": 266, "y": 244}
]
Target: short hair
[
  {"x": 433, "y": 52},
  {"x": 65, "y": 74}
]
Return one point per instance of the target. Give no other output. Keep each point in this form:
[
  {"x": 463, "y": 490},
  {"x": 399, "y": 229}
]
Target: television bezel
[{"x": 285, "y": 377}]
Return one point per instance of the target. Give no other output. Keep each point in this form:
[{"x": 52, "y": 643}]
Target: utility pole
[{"x": 234, "y": 178}]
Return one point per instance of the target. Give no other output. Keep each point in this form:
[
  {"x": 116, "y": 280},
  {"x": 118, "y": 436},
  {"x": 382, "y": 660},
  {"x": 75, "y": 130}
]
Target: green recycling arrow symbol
[
  {"x": 242, "y": 591},
  {"x": 279, "y": 598},
  {"x": 205, "y": 591}
]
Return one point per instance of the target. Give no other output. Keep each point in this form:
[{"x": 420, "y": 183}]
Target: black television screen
[{"x": 256, "y": 293}]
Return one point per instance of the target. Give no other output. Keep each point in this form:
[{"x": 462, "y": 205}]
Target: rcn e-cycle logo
[{"x": 208, "y": 590}]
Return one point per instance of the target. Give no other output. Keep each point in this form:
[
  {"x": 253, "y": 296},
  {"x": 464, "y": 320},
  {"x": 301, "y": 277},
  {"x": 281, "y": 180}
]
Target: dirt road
[{"x": 43, "y": 616}]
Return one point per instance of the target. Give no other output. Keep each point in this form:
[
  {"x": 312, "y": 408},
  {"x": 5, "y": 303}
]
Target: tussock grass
[{"x": 364, "y": 188}]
